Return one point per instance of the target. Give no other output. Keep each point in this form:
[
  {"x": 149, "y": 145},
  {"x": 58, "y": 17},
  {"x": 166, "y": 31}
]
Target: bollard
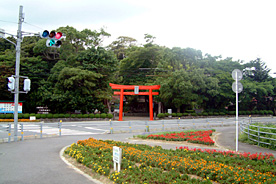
[
  {"x": 129, "y": 124},
  {"x": 111, "y": 128},
  {"x": 178, "y": 123},
  {"x": 163, "y": 127},
  {"x": 193, "y": 124},
  {"x": 147, "y": 127},
  {"x": 222, "y": 123},
  {"x": 9, "y": 129},
  {"x": 22, "y": 132},
  {"x": 41, "y": 130},
  {"x": 59, "y": 126}
]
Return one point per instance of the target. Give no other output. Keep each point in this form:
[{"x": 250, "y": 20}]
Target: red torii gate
[{"x": 136, "y": 92}]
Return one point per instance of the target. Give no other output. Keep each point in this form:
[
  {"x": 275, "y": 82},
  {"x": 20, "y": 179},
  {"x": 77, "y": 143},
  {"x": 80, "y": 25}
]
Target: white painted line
[{"x": 94, "y": 128}]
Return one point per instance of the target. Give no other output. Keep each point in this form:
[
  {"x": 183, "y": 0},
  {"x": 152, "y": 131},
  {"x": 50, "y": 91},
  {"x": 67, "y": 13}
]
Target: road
[
  {"x": 99, "y": 127},
  {"x": 38, "y": 160}
]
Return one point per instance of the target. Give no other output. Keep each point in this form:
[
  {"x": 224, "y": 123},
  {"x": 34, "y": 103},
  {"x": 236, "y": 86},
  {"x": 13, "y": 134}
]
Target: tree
[
  {"x": 120, "y": 46},
  {"x": 257, "y": 70}
]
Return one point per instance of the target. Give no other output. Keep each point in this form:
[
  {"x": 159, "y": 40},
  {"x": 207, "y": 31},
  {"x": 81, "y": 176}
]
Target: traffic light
[
  {"x": 11, "y": 83},
  {"x": 27, "y": 85},
  {"x": 53, "y": 38}
]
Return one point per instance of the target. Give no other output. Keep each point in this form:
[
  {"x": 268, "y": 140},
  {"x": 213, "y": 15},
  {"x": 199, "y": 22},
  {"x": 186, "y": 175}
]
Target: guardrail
[
  {"x": 6, "y": 131},
  {"x": 256, "y": 134},
  {"x": 162, "y": 125}
]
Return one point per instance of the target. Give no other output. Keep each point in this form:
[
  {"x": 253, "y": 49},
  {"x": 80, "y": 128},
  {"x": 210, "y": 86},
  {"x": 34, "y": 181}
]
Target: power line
[
  {"x": 34, "y": 25},
  {"x": 8, "y": 21}
]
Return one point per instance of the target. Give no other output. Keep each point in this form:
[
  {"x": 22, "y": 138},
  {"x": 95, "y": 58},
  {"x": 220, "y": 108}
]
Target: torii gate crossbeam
[{"x": 132, "y": 87}]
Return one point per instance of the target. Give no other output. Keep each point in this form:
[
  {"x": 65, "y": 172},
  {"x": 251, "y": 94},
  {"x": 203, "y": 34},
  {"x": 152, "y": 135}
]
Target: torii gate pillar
[{"x": 136, "y": 92}]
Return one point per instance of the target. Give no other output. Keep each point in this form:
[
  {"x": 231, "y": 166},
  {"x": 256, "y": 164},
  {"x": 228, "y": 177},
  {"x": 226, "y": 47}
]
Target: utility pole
[{"x": 17, "y": 69}]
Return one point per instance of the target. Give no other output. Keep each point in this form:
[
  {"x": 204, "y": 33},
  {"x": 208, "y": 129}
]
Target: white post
[{"x": 237, "y": 114}]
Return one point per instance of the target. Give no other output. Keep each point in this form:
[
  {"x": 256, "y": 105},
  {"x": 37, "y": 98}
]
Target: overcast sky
[{"x": 242, "y": 29}]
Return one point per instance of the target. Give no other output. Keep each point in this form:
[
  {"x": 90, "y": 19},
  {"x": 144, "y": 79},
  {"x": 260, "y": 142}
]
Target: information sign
[{"x": 8, "y": 107}]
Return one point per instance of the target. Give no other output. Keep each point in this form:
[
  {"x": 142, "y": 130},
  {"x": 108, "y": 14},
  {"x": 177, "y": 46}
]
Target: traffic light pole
[{"x": 17, "y": 69}]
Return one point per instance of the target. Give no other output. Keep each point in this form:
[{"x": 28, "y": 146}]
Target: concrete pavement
[{"x": 38, "y": 161}]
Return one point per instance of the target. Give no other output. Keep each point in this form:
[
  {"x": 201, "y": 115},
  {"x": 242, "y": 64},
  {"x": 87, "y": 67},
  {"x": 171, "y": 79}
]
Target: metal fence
[
  {"x": 259, "y": 134},
  {"x": 33, "y": 131}
]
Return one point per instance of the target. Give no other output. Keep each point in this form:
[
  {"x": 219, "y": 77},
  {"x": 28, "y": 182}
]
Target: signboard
[
  {"x": 117, "y": 157},
  {"x": 8, "y": 107},
  {"x": 237, "y": 74},
  {"x": 136, "y": 90},
  {"x": 234, "y": 87}
]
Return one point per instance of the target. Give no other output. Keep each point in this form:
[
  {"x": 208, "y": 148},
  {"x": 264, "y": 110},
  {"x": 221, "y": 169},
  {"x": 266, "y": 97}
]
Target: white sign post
[
  {"x": 117, "y": 157},
  {"x": 237, "y": 88}
]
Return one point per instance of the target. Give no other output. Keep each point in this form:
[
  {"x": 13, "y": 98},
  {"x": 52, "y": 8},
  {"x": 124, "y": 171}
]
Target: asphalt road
[{"x": 38, "y": 160}]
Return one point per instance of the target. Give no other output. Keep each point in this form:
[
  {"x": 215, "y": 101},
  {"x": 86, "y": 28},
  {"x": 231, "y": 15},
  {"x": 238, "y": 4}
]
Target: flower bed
[
  {"x": 199, "y": 137},
  {"x": 146, "y": 164}
]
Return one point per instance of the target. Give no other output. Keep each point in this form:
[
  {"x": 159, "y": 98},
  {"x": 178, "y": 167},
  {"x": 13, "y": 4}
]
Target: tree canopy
[{"x": 77, "y": 75}]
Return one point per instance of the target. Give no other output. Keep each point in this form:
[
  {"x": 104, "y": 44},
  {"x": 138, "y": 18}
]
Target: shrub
[
  {"x": 211, "y": 113},
  {"x": 55, "y": 115},
  {"x": 173, "y": 114},
  {"x": 270, "y": 112},
  {"x": 67, "y": 115},
  {"x": 32, "y": 114},
  {"x": 232, "y": 112},
  {"x": 109, "y": 116},
  {"x": 161, "y": 115},
  {"x": 222, "y": 113},
  {"x": 9, "y": 116},
  {"x": 261, "y": 112},
  {"x": 185, "y": 114},
  {"x": 91, "y": 115},
  {"x": 194, "y": 114},
  {"x": 2, "y": 116},
  {"x": 97, "y": 115},
  {"x": 61, "y": 115},
  {"x": 85, "y": 116},
  {"x": 20, "y": 116},
  {"x": 26, "y": 116},
  {"x": 199, "y": 114},
  {"x": 43, "y": 116},
  {"x": 49, "y": 115},
  {"x": 73, "y": 116},
  {"x": 103, "y": 115},
  {"x": 216, "y": 113},
  {"x": 248, "y": 112},
  {"x": 265, "y": 112},
  {"x": 253, "y": 112},
  {"x": 205, "y": 114},
  {"x": 38, "y": 116},
  {"x": 178, "y": 114},
  {"x": 167, "y": 114},
  {"x": 79, "y": 115}
]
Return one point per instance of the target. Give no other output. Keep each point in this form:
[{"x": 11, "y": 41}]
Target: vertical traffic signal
[
  {"x": 11, "y": 83},
  {"x": 53, "y": 38},
  {"x": 27, "y": 85}
]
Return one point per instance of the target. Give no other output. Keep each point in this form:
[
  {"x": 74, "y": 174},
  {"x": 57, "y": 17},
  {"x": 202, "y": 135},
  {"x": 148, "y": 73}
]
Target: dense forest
[{"x": 77, "y": 75}]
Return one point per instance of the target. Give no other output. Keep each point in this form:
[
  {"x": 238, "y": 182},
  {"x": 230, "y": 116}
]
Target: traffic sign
[
  {"x": 234, "y": 87},
  {"x": 237, "y": 73}
]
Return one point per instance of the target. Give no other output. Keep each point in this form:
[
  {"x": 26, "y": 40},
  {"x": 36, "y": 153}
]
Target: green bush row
[
  {"x": 50, "y": 116},
  {"x": 262, "y": 112}
]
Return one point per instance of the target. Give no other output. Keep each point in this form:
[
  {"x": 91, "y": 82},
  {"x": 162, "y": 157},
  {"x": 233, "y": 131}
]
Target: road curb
[{"x": 75, "y": 168}]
